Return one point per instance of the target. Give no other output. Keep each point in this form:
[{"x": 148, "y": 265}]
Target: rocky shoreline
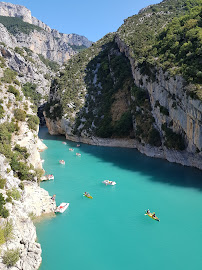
[
  {"x": 35, "y": 202},
  {"x": 181, "y": 157}
]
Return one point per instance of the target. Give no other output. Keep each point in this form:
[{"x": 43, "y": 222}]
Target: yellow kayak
[
  {"x": 87, "y": 196},
  {"x": 151, "y": 216}
]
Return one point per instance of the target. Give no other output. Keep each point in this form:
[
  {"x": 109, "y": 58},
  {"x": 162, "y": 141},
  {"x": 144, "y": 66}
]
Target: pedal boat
[
  {"x": 62, "y": 162},
  {"x": 61, "y": 208},
  {"x": 47, "y": 177},
  {"x": 109, "y": 183}
]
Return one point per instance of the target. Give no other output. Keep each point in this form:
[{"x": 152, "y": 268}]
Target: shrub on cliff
[
  {"x": 14, "y": 193},
  {"x": 29, "y": 90},
  {"x": 124, "y": 125},
  {"x": 19, "y": 51},
  {"x": 21, "y": 169},
  {"x": 51, "y": 64},
  {"x": 6, "y": 130},
  {"x": 13, "y": 90},
  {"x": 8, "y": 230},
  {"x": 2, "y": 239},
  {"x": 22, "y": 151},
  {"x": 20, "y": 115},
  {"x": 173, "y": 140},
  {"x": 3, "y": 211},
  {"x": 154, "y": 137},
  {"x": 9, "y": 76},
  {"x": 2, "y": 183},
  {"x": 10, "y": 257},
  {"x": 33, "y": 121},
  {"x": 39, "y": 173},
  {"x": 1, "y": 111},
  {"x": 21, "y": 186}
]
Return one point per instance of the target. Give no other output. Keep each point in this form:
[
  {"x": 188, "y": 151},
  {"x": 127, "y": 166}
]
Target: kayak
[
  {"x": 151, "y": 216},
  {"x": 87, "y": 196}
]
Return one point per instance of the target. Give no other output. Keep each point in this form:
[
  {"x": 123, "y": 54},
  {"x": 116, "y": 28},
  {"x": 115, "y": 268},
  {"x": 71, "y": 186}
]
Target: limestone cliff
[
  {"x": 49, "y": 42},
  {"x": 28, "y": 65},
  {"x": 20, "y": 165}
]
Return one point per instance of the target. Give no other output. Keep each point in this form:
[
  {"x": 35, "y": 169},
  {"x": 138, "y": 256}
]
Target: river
[{"x": 110, "y": 231}]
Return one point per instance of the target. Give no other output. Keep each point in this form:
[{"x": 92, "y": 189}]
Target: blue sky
[{"x": 90, "y": 18}]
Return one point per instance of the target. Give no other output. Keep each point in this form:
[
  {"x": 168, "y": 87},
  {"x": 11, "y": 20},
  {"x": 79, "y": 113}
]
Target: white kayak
[
  {"x": 61, "y": 208},
  {"x": 110, "y": 183}
]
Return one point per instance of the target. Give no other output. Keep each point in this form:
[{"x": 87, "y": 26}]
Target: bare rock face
[
  {"x": 28, "y": 65},
  {"x": 11, "y": 10},
  {"x": 48, "y": 42}
]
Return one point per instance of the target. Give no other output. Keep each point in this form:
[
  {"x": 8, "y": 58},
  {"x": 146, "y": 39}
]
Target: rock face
[
  {"x": 170, "y": 92},
  {"x": 48, "y": 42},
  {"x": 26, "y": 63},
  {"x": 34, "y": 202}
]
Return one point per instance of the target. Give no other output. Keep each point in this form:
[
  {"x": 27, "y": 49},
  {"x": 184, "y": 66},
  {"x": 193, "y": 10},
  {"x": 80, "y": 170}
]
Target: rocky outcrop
[
  {"x": 34, "y": 202},
  {"x": 48, "y": 42}
]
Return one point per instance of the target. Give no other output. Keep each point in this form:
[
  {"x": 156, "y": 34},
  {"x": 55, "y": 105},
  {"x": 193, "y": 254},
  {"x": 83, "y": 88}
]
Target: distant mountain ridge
[{"x": 53, "y": 45}]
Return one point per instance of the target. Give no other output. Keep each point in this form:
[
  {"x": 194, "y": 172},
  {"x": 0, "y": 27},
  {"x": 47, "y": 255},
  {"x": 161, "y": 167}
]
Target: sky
[{"x": 89, "y": 18}]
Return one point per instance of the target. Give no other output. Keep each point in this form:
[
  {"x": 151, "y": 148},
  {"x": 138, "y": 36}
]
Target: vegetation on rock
[
  {"x": 29, "y": 90},
  {"x": 33, "y": 122},
  {"x": 51, "y": 64},
  {"x": 16, "y": 25},
  {"x": 3, "y": 211},
  {"x": 10, "y": 257}
]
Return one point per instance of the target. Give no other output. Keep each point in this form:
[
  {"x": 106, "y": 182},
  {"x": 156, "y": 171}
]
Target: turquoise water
[{"x": 110, "y": 232}]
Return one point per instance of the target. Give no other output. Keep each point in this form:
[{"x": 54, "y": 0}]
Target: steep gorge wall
[
  {"x": 184, "y": 117},
  {"x": 171, "y": 93}
]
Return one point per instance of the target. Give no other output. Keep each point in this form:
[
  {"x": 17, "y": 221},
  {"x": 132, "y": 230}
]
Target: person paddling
[{"x": 148, "y": 212}]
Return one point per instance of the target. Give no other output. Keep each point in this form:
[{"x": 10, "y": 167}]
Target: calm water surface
[{"x": 110, "y": 232}]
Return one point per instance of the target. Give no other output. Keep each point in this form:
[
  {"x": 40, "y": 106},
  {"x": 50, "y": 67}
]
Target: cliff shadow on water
[{"x": 156, "y": 170}]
